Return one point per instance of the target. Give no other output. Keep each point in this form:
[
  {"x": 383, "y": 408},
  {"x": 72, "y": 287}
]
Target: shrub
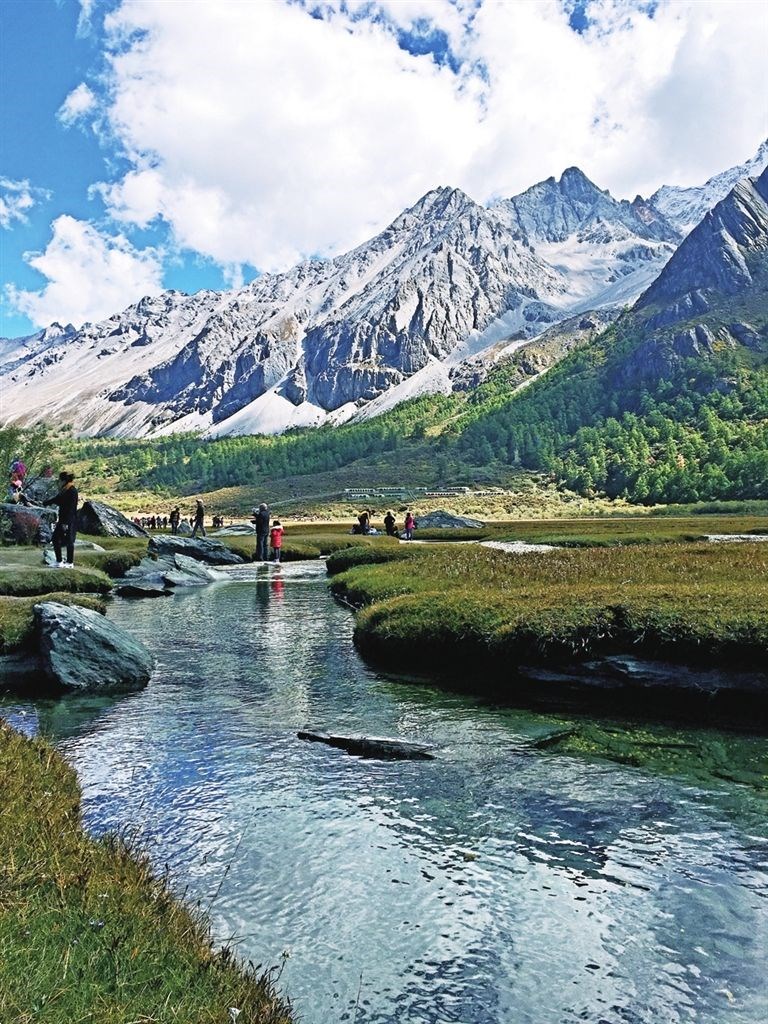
[{"x": 114, "y": 563}]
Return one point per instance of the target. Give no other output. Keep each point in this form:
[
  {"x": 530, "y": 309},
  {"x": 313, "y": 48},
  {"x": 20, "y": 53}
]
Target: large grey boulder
[
  {"x": 442, "y": 520},
  {"x": 95, "y": 517},
  {"x": 184, "y": 530},
  {"x": 189, "y": 572},
  {"x": 211, "y": 551},
  {"x": 82, "y": 651},
  {"x": 27, "y": 524},
  {"x": 147, "y": 579},
  {"x": 236, "y": 530},
  {"x": 158, "y": 577}
]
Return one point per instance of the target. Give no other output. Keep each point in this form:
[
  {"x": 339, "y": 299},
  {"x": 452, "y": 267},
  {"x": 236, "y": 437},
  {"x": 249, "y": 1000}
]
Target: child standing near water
[{"x": 276, "y": 540}]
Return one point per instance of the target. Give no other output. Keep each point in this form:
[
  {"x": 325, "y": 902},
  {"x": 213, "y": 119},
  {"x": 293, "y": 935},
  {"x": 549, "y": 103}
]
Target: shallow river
[{"x": 497, "y": 884}]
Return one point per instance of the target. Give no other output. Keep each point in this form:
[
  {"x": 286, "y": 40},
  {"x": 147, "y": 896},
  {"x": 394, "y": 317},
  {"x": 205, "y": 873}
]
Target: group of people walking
[
  {"x": 364, "y": 524},
  {"x": 269, "y": 532}
]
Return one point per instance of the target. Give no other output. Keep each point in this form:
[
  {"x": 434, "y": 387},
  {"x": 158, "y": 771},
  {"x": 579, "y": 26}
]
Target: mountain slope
[
  {"x": 671, "y": 402},
  {"x": 448, "y": 282},
  {"x": 321, "y": 337}
]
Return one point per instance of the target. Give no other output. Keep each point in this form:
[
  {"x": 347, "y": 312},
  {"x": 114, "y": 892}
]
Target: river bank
[
  {"x": 654, "y": 628},
  {"x": 87, "y": 931}
]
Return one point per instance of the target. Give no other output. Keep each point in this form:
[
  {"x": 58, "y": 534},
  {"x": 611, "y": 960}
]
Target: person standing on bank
[
  {"x": 65, "y": 531},
  {"x": 199, "y": 520},
  {"x": 410, "y": 525},
  {"x": 261, "y": 520},
  {"x": 276, "y": 540},
  {"x": 175, "y": 519}
]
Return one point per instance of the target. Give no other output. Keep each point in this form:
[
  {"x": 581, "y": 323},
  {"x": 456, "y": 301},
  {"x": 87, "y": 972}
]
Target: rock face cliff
[
  {"x": 445, "y": 282},
  {"x": 713, "y": 293}
]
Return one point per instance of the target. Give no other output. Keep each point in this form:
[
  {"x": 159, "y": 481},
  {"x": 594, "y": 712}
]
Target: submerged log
[{"x": 372, "y": 746}]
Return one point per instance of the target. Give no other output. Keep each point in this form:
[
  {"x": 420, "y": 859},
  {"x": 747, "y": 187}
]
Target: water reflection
[{"x": 498, "y": 884}]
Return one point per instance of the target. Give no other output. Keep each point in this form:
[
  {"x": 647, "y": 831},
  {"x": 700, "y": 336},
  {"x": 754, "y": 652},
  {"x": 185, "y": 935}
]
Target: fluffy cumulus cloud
[
  {"x": 267, "y": 132},
  {"x": 80, "y": 102},
  {"x": 16, "y": 200},
  {"x": 261, "y": 133},
  {"x": 89, "y": 275}
]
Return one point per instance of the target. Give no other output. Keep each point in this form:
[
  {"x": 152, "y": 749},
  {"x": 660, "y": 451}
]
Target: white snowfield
[{"x": 349, "y": 338}]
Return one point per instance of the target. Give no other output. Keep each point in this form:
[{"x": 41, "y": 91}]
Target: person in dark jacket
[
  {"x": 175, "y": 519},
  {"x": 65, "y": 531},
  {"x": 390, "y": 524},
  {"x": 199, "y": 520},
  {"x": 261, "y": 521}
]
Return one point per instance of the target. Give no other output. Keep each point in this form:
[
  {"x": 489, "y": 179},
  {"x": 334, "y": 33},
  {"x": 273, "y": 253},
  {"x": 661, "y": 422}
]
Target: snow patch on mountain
[{"x": 685, "y": 207}]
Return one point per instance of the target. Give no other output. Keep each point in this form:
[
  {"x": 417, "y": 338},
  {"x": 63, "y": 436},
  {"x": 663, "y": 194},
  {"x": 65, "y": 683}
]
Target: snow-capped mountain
[
  {"x": 447, "y": 281},
  {"x": 717, "y": 257},
  {"x": 288, "y": 349},
  {"x": 608, "y": 250},
  {"x": 711, "y": 296},
  {"x": 16, "y": 350},
  {"x": 684, "y": 207}
]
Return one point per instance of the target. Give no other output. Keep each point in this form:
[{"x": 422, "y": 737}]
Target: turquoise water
[{"x": 497, "y": 884}]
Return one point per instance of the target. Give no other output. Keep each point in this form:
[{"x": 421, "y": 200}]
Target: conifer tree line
[{"x": 699, "y": 434}]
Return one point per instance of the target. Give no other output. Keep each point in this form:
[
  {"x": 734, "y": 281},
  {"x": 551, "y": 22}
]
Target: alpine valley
[{"x": 641, "y": 328}]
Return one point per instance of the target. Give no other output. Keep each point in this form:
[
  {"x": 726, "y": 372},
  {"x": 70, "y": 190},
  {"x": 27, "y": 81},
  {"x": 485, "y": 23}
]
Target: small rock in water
[{"x": 379, "y": 747}]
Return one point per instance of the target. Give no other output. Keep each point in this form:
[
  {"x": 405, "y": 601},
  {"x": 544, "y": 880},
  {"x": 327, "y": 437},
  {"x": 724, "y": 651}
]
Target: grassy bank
[
  {"x": 445, "y": 606},
  {"x": 607, "y": 532},
  {"x": 87, "y": 933}
]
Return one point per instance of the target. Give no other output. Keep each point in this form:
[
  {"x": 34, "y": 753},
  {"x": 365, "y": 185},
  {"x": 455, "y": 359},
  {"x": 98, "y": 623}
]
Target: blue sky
[{"x": 188, "y": 145}]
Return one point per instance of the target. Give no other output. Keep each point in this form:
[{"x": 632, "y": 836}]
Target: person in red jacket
[
  {"x": 276, "y": 540},
  {"x": 410, "y": 524}
]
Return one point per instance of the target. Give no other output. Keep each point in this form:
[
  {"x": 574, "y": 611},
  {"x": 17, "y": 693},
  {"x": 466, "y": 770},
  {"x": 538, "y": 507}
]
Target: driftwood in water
[{"x": 372, "y": 746}]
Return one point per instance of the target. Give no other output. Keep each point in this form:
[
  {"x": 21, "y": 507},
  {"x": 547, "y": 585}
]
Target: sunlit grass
[
  {"x": 448, "y": 604},
  {"x": 87, "y": 932}
]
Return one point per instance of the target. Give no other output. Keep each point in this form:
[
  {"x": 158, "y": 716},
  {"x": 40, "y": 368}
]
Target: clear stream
[{"x": 497, "y": 884}]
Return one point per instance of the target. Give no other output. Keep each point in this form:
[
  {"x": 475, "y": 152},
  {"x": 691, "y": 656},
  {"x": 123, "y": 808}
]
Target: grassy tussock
[
  {"x": 26, "y": 580},
  {"x": 87, "y": 933},
  {"x": 17, "y": 617},
  {"x": 447, "y": 604},
  {"x": 114, "y": 563},
  {"x": 369, "y": 554}
]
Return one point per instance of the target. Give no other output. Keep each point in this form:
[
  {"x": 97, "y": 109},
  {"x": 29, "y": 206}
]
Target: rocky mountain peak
[
  {"x": 720, "y": 257},
  {"x": 577, "y": 186}
]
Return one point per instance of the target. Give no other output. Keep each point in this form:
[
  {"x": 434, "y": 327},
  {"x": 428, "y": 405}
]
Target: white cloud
[
  {"x": 77, "y": 104},
  {"x": 16, "y": 200},
  {"x": 90, "y": 275},
  {"x": 84, "y": 18},
  {"x": 262, "y": 134}
]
